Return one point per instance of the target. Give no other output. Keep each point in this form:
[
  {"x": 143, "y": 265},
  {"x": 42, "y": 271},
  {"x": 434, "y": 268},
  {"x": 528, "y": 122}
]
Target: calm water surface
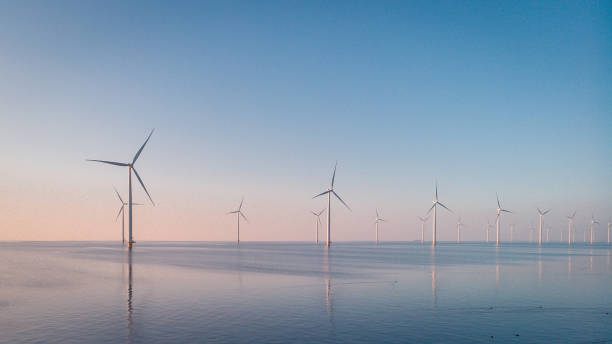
[{"x": 298, "y": 292}]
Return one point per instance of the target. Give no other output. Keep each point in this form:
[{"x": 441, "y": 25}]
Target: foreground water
[{"x": 299, "y": 292}]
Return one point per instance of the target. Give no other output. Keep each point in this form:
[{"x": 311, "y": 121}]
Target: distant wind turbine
[
  {"x": 459, "y": 225},
  {"x": 318, "y": 221},
  {"x": 435, "y": 217},
  {"x": 593, "y": 222},
  {"x": 541, "y": 213},
  {"x": 329, "y": 192},
  {"x": 609, "y": 224},
  {"x": 489, "y": 225},
  {"x": 570, "y": 224},
  {"x": 378, "y": 219},
  {"x": 499, "y": 211},
  {"x": 238, "y": 213},
  {"x": 122, "y": 213},
  {"x": 131, "y": 167},
  {"x": 423, "y": 220}
]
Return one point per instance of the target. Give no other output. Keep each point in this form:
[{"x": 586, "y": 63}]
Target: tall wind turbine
[
  {"x": 238, "y": 213},
  {"x": 593, "y": 222},
  {"x": 122, "y": 213},
  {"x": 499, "y": 211},
  {"x": 570, "y": 224},
  {"x": 130, "y": 166},
  {"x": 541, "y": 213},
  {"x": 423, "y": 220},
  {"x": 318, "y": 221},
  {"x": 378, "y": 219},
  {"x": 435, "y": 217},
  {"x": 329, "y": 193},
  {"x": 459, "y": 225}
]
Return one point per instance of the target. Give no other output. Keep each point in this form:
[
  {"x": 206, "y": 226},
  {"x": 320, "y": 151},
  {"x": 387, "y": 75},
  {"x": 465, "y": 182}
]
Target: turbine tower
[
  {"x": 593, "y": 222},
  {"x": 570, "y": 224},
  {"x": 499, "y": 211},
  {"x": 378, "y": 219},
  {"x": 131, "y": 168},
  {"x": 435, "y": 208},
  {"x": 238, "y": 213},
  {"x": 318, "y": 222},
  {"x": 329, "y": 193},
  {"x": 489, "y": 225},
  {"x": 122, "y": 213},
  {"x": 609, "y": 224},
  {"x": 541, "y": 213},
  {"x": 459, "y": 225},
  {"x": 423, "y": 220}
]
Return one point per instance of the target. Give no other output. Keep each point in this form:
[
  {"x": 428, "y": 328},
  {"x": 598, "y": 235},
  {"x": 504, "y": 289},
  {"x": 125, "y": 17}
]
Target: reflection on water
[
  {"x": 262, "y": 292},
  {"x": 130, "y": 295}
]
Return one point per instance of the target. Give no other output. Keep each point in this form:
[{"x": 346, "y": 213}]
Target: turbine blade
[
  {"x": 340, "y": 199},
  {"x": 143, "y": 186},
  {"x": 546, "y": 212},
  {"x": 315, "y": 214},
  {"x": 143, "y": 145},
  {"x": 244, "y": 217},
  {"x": 431, "y": 208},
  {"x": 574, "y": 214},
  {"x": 109, "y": 162},
  {"x": 507, "y": 211},
  {"x": 334, "y": 175},
  {"x": 498, "y": 205},
  {"x": 377, "y": 213},
  {"x": 119, "y": 213},
  {"x": 539, "y": 211},
  {"x": 241, "y": 201},
  {"x": 436, "y": 189},
  {"x": 322, "y": 193},
  {"x": 321, "y": 212},
  {"x": 117, "y": 192},
  {"x": 445, "y": 207},
  {"x": 232, "y": 212}
]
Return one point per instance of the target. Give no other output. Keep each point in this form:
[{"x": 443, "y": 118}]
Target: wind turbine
[
  {"x": 541, "y": 213},
  {"x": 459, "y": 224},
  {"x": 609, "y": 224},
  {"x": 131, "y": 167},
  {"x": 435, "y": 217},
  {"x": 378, "y": 219},
  {"x": 318, "y": 221},
  {"x": 329, "y": 192},
  {"x": 489, "y": 225},
  {"x": 499, "y": 211},
  {"x": 593, "y": 222},
  {"x": 570, "y": 224},
  {"x": 122, "y": 213},
  {"x": 238, "y": 213},
  {"x": 423, "y": 220}
]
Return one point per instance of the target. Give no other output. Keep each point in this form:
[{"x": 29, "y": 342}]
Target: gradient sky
[{"x": 259, "y": 99}]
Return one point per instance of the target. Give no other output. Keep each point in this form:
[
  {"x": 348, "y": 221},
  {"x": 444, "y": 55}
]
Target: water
[{"x": 299, "y": 292}]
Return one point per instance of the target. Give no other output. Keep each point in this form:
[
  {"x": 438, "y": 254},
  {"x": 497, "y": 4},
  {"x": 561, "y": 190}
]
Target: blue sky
[{"x": 259, "y": 99}]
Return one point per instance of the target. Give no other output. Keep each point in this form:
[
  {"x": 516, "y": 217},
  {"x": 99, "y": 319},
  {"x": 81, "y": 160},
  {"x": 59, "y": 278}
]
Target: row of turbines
[{"x": 331, "y": 192}]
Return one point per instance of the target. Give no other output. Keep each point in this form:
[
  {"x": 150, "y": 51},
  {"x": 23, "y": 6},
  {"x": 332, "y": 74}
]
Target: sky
[{"x": 259, "y": 99}]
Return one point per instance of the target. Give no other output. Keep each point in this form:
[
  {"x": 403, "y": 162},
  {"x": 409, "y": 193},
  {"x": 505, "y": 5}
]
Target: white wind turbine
[
  {"x": 499, "y": 211},
  {"x": 423, "y": 220},
  {"x": 541, "y": 213},
  {"x": 593, "y": 222},
  {"x": 318, "y": 222},
  {"x": 378, "y": 219},
  {"x": 609, "y": 224},
  {"x": 459, "y": 225},
  {"x": 122, "y": 213},
  {"x": 435, "y": 217},
  {"x": 570, "y": 224},
  {"x": 131, "y": 168},
  {"x": 238, "y": 213},
  {"x": 329, "y": 192},
  {"x": 489, "y": 225}
]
